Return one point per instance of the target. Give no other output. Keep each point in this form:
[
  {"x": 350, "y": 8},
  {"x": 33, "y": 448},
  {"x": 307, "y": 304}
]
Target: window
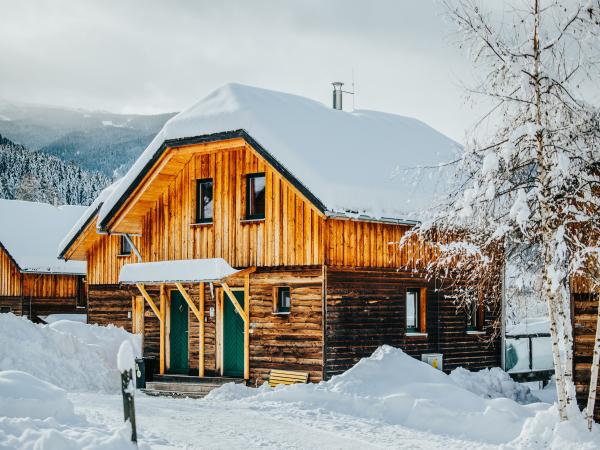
[
  {"x": 204, "y": 201},
  {"x": 474, "y": 316},
  {"x": 282, "y": 300},
  {"x": 125, "y": 249},
  {"x": 416, "y": 310},
  {"x": 255, "y": 196},
  {"x": 4, "y": 309}
]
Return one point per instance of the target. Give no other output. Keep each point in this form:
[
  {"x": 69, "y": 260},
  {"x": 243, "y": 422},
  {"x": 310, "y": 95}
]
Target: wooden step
[
  {"x": 195, "y": 379},
  {"x": 185, "y": 386}
]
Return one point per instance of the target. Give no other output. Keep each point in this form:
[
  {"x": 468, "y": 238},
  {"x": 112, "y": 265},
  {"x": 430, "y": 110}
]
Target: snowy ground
[{"x": 59, "y": 390}]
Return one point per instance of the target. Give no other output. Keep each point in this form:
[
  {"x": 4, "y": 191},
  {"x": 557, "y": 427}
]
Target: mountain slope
[
  {"x": 95, "y": 140},
  {"x": 35, "y": 176}
]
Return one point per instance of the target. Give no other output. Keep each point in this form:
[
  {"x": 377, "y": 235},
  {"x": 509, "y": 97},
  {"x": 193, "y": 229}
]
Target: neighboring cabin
[
  {"x": 287, "y": 216},
  {"x": 33, "y": 282}
]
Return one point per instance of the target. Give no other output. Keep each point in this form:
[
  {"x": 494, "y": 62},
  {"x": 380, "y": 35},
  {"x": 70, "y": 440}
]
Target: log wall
[
  {"x": 585, "y": 312},
  {"x": 366, "y": 309},
  {"x": 15, "y": 304}
]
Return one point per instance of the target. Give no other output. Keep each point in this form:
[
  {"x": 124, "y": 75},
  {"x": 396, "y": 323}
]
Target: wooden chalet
[
  {"x": 274, "y": 246},
  {"x": 33, "y": 282}
]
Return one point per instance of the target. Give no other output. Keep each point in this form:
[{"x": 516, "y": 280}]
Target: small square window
[
  {"x": 204, "y": 200},
  {"x": 5, "y": 309},
  {"x": 255, "y": 196},
  {"x": 125, "y": 248},
  {"x": 283, "y": 300}
]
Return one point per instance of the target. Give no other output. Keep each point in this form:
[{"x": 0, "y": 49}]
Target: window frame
[
  {"x": 276, "y": 306},
  {"x": 199, "y": 183},
  {"x": 249, "y": 178},
  {"x": 478, "y": 314},
  {"x": 123, "y": 240},
  {"x": 420, "y": 312}
]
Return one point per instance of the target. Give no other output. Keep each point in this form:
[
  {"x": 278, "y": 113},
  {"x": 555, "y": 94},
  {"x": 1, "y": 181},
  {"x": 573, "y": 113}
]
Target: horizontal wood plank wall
[
  {"x": 110, "y": 304},
  {"x": 49, "y": 285},
  {"x": 352, "y": 243},
  {"x": 585, "y": 311},
  {"x": 10, "y": 277},
  {"x": 104, "y": 261},
  {"x": 366, "y": 308},
  {"x": 291, "y": 234},
  {"x": 289, "y": 342},
  {"x": 15, "y": 304}
]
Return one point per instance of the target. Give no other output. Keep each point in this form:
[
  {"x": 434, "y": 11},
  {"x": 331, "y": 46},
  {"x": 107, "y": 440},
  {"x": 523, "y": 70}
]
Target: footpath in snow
[{"x": 59, "y": 390}]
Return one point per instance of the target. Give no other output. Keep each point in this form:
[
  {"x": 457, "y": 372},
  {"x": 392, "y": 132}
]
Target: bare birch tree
[{"x": 529, "y": 176}]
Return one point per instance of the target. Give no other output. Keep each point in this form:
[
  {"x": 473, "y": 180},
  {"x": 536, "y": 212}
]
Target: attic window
[
  {"x": 282, "y": 300},
  {"x": 125, "y": 248},
  {"x": 204, "y": 200},
  {"x": 255, "y": 196},
  {"x": 475, "y": 317}
]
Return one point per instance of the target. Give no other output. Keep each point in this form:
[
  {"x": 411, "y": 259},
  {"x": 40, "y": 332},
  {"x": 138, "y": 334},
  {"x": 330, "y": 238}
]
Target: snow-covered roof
[
  {"x": 85, "y": 218},
  {"x": 30, "y": 232},
  {"x": 178, "y": 271},
  {"x": 360, "y": 163}
]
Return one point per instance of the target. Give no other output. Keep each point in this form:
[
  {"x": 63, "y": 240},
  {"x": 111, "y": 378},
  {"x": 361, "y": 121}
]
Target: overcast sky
[{"x": 156, "y": 56}]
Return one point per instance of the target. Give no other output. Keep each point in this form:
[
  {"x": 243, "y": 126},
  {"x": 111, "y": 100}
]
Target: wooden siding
[
  {"x": 50, "y": 285},
  {"x": 366, "y": 309},
  {"x": 104, "y": 261},
  {"x": 10, "y": 276},
  {"x": 353, "y": 243},
  {"x": 15, "y": 304},
  {"x": 291, "y": 233}
]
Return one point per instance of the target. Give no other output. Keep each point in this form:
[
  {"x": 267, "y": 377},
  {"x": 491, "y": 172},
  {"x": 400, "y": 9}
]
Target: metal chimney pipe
[{"x": 337, "y": 94}]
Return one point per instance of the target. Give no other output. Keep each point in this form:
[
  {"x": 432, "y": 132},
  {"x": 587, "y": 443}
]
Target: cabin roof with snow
[
  {"x": 30, "y": 233},
  {"x": 362, "y": 164}
]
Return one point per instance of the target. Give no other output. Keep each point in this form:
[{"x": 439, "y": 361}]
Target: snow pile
[
  {"x": 38, "y": 415},
  {"x": 396, "y": 389},
  {"x": 493, "y": 383},
  {"x": 72, "y": 355}
]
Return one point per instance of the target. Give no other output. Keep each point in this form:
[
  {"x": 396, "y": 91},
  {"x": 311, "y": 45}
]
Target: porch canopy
[
  {"x": 209, "y": 270},
  {"x": 178, "y": 271}
]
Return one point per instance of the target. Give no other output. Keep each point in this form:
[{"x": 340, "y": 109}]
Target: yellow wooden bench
[{"x": 287, "y": 377}]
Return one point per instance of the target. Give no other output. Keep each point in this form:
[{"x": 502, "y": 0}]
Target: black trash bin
[{"x": 151, "y": 366}]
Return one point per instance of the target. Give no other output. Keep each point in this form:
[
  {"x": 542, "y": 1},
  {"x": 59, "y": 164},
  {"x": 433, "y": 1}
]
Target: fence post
[{"x": 126, "y": 364}]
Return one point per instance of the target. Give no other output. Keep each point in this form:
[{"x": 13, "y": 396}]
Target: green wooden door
[
  {"x": 178, "y": 334},
  {"x": 233, "y": 337}
]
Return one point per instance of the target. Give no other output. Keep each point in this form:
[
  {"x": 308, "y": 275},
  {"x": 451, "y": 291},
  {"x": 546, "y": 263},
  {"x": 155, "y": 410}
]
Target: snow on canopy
[
  {"x": 188, "y": 270},
  {"x": 362, "y": 163},
  {"x": 84, "y": 219},
  {"x": 30, "y": 233}
]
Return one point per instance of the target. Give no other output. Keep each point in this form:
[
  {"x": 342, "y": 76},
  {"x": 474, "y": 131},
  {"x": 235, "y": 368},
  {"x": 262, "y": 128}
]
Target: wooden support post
[
  {"x": 201, "y": 343},
  {"x": 163, "y": 311},
  {"x": 247, "y": 327},
  {"x": 236, "y": 304}
]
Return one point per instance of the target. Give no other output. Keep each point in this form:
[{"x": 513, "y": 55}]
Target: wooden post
[
  {"x": 247, "y": 327},
  {"x": 163, "y": 310},
  {"x": 127, "y": 390},
  {"x": 201, "y": 346}
]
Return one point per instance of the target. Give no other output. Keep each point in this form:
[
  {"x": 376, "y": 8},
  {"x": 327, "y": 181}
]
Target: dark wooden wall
[
  {"x": 14, "y": 303},
  {"x": 366, "y": 309}
]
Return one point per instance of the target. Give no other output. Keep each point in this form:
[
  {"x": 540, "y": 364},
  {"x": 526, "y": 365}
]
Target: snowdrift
[
  {"x": 68, "y": 354},
  {"x": 37, "y": 415},
  {"x": 396, "y": 389}
]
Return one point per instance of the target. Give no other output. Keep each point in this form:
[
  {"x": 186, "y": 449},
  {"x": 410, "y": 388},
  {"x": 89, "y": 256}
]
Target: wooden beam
[
  {"x": 201, "y": 350},
  {"x": 147, "y": 297},
  {"x": 163, "y": 309},
  {"x": 236, "y": 305},
  {"x": 243, "y": 272},
  {"x": 189, "y": 301}
]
